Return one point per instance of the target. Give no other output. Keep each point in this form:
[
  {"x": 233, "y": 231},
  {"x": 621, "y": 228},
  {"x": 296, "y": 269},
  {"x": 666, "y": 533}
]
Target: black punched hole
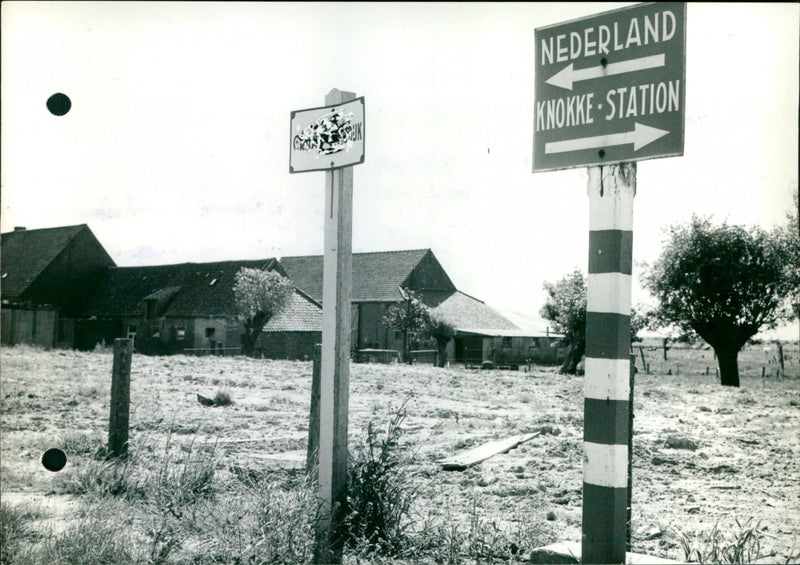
[
  {"x": 601, "y": 153},
  {"x": 54, "y": 459},
  {"x": 604, "y": 62},
  {"x": 59, "y": 104}
]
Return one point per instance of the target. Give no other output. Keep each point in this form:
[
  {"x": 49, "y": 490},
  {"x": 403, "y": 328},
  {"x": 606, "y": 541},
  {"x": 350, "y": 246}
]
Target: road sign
[
  {"x": 610, "y": 88},
  {"x": 328, "y": 137}
]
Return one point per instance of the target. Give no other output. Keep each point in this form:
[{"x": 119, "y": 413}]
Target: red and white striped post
[{"x": 611, "y": 191}]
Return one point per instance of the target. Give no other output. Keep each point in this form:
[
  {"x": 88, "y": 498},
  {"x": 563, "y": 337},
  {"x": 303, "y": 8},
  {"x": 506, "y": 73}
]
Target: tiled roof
[
  {"x": 185, "y": 290},
  {"x": 30, "y": 252},
  {"x": 465, "y": 312},
  {"x": 302, "y": 314},
  {"x": 533, "y": 326},
  {"x": 376, "y": 276}
]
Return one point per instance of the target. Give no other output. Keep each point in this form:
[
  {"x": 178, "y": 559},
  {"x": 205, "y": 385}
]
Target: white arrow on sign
[
  {"x": 566, "y": 76},
  {"x": 640, "y": 136}
]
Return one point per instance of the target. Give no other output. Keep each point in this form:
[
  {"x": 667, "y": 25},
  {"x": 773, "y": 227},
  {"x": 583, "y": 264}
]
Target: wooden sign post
[
  {"x": 332, "y": 135},
  {"x": 607, "y": 380},
  {"x": 610, "y": 90}
]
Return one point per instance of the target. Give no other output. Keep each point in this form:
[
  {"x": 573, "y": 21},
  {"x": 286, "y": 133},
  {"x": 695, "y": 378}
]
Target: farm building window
[
  {"x": 181, "y": 333},
  {"x": 155, "y": 331},
  {"x": 131, "y": 332},
  {"x": 506, "y": 342},
  {"x": 210, "y": 332}
]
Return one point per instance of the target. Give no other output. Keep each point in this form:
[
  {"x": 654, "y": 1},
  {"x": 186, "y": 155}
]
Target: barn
[
  {"x": 481, "y": 331},
  {"x": 60, "y": 288},
  {"x": 47, "y": 277},
  {"x": 186, "y": 307}
]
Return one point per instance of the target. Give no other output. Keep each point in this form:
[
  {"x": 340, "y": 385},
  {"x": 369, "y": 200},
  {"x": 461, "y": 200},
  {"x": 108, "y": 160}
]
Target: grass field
[{"x": 226, "y": 484}]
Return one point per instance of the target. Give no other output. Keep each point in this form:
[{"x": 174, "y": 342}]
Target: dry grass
[{"x": 211, "y": 486}]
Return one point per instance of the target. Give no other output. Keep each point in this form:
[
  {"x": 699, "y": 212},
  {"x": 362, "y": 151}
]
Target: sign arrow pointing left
[
  {"x": 566, "y": 76},
  {"x": 640, "y": 136}
]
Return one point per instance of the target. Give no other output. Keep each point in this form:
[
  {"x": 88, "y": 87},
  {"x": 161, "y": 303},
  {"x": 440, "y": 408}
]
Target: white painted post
[
  {"x": 607, "y": 407},
  {"x": 335, "y": 355}
]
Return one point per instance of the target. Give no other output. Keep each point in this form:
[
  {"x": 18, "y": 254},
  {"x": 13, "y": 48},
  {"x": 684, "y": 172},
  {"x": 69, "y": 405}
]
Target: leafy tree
[
  {"x": 258, "y": 297},
  {"x": 790, "y": 234},
  {"x": 722, "y": 282},
  {"x": 410, "y": 316},
  {"x": 566, "y": 308},
  {"x": 639, "y": 321},
  {"x": 441, "y": 331}
]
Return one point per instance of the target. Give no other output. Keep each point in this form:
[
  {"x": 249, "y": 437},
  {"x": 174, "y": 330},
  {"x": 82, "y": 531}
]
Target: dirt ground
[{"x": 703, "y": 454}]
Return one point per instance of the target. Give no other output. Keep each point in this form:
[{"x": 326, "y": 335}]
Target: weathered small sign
[
  {"x": 610, "y": 87},
  {"x": 328, "y": 137}
]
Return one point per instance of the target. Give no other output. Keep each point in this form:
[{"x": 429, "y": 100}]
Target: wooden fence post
[
  {"x": 120, "y": 398},
  {"x": 312, "y": 456},
  {"x": 630, "y": 455}
]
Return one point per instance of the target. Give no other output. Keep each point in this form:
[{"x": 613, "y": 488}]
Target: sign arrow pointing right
[{"x": 640, "y": 136}]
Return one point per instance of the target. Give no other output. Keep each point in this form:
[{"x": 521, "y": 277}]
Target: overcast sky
[{"x": 176, "y": 147}]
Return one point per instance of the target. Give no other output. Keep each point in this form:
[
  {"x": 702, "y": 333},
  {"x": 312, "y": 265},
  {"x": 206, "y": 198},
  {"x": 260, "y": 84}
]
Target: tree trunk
[
  {"x": 252, "y": 330},
  {"x": 574, "y": 355},
  {"x": 442, "y": 353},
  {"x": 728, "y": 365}
]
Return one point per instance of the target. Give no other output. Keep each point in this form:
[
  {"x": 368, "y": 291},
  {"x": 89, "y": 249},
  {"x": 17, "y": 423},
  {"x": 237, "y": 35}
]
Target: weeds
[
  {"x": 104, "y": 479},
  {"x": 177, "y": 485},
  {"x": 222, "y": 398},
  {"x": 14, "y": 531},
  {"x": 81, "y": 443},
  {"x": 102, "y": 536},
  {"x": 263, "y": 524},
  {"x": 379, "y": 496},
  {"x": 717, "y": 546}
]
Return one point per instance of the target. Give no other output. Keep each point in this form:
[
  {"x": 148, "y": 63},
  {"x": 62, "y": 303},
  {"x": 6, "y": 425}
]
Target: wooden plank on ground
[{"x": 483, "y": 452}]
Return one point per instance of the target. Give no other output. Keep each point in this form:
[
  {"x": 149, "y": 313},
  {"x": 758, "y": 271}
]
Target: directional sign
[
  {"x": 328, "y": 137},
  {"x": 610, "y": 88}
]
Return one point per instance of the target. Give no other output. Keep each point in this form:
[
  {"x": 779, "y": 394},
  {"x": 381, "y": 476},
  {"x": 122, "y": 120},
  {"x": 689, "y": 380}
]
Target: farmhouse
[
  {"x": 47, "y": 278},
  {"x": 168, "y": 308},
  {"x": 481, "y": 332},
  {"x": 61, "y": 289}
]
